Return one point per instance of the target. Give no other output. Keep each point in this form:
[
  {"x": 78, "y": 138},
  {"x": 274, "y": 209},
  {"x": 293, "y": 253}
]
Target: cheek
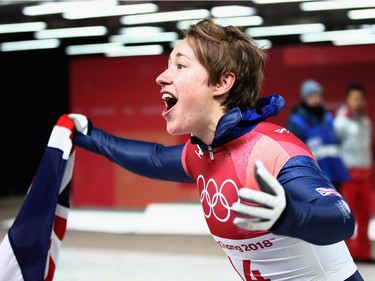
[
  {"x": 195, "y": 101},
  {"x": 194, "y": 95},
  {"x": 192, "y": 109}
]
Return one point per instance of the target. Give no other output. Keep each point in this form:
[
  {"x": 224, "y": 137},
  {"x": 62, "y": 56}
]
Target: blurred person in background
[
  {"x": 354, "y": 131},
  {"x": 311, "y": 122}
]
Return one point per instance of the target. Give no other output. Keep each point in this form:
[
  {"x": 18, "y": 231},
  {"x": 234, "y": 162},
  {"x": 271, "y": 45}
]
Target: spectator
[
  {"x": 354, "y": 130},
  {"x": 311, "y": 122}
]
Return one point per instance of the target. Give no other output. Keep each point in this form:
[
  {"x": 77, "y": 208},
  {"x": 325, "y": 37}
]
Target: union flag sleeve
[{"x": 30, "y": 249}]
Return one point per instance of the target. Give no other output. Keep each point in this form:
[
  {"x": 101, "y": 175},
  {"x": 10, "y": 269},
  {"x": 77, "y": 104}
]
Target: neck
[{"x": 207, "y": 132}]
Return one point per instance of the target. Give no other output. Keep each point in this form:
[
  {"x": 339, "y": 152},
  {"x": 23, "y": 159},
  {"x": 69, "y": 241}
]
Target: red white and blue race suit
[{"x": 305, "y": 243}]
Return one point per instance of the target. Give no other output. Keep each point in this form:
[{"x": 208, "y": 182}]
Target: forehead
[
  {"x": 356, "y": 93},
  {"x": 183, "y": 48},
  {"x": 315, "y": 95}
]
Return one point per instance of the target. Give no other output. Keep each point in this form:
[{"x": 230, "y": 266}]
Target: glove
[
  {"x": 82, "y": 123},
  {"x": 270, "y": 202}
]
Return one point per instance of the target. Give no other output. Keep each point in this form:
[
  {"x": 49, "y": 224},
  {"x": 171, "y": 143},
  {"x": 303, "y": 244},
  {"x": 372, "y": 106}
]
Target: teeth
[{"x": 167, "y": 96}]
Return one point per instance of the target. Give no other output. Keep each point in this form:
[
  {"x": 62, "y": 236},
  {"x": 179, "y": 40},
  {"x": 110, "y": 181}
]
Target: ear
[{"x": 225, "y": 84}]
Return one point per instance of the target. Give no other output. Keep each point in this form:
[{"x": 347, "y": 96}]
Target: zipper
[{"x": 210, "y": 152}]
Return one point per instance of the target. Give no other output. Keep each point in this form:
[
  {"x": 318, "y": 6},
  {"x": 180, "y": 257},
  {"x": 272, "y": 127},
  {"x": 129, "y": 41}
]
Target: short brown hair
[
  {"x": 228, "y": 49},
  {"x": 354, "y": 86}
]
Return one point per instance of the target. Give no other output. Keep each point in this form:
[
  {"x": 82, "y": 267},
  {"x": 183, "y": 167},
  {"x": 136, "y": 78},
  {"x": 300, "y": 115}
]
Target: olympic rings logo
[{"x": 217, "y": 197}]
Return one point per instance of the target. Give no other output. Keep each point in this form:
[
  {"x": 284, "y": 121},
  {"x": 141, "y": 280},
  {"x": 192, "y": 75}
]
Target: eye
[{"x": 180, "y": 66}]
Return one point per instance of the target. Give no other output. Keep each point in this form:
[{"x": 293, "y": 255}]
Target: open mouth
[{"x": 169, "y": 100}]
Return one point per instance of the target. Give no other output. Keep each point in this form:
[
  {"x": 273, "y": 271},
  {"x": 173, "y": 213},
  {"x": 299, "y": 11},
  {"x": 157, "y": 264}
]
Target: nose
[{"x": 163, "y": 79}]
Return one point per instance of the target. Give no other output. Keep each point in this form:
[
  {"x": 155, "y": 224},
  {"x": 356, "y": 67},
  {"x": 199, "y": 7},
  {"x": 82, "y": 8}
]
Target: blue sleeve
[
  {"x": 315, "y": 211},
  {"x": 297, "y": 125},
  {"x": 147, "y": 159}
]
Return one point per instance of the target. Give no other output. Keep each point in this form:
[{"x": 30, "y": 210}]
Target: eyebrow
[{"x": 180, "y": 55}]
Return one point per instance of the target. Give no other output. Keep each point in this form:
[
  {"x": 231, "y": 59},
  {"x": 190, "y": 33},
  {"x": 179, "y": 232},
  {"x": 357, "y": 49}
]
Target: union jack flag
[
  {"x": 30, "y": 249},
  {"x": 325, "y": 191}
]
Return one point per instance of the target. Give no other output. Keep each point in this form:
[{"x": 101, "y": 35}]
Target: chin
[{"x": 174, "y": 131}]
